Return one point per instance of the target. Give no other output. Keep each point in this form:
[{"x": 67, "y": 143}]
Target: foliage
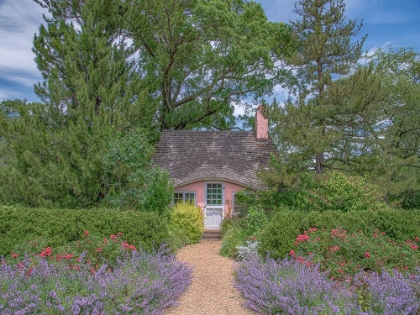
[
  {"x": 306, "y": 125},
  {"x": 141, "y": 283},
  {"x": 96, "y": 250},
  {"x": 255, "y": 220},
  {"x": 381, "y": 293},
  {"x": 342, "y": 254},
  {"x": 279, "y": 236},
  {"x": 247, "y": 250},
  {"x": 134, "y": 183},
  {"x": 290, "y": 287},
  {"x": 233, "y": 238},
  {"x": 90, "y": 90},
  {"x": 287, "y": 287},
  {"x": 337, "y": 191},
  {"x": 188, "y": 218},
  {"x": 201, "y": 62},
  {"x": 21, "y": 225}
]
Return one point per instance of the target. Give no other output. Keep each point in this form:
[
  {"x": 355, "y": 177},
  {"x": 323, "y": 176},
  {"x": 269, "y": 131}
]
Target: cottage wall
[{"x": 199, "y": 189}]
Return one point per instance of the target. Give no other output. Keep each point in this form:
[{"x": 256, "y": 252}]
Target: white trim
[
  {"x": 220, "y": 207},
  {"x": 183, "y": 195}
]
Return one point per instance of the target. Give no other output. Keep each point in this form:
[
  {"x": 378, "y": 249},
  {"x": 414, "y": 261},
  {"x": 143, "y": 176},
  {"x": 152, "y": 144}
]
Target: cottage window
[{"x": 184, "y": 196}]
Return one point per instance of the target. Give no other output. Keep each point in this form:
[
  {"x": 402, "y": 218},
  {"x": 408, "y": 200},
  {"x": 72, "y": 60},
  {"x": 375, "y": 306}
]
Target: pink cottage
[{"x": 210, "y": 167}]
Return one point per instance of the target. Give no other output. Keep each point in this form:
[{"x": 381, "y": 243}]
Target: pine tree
[
  {"x": 90, "y": 90},
  {"x": 325, "y": 53}
]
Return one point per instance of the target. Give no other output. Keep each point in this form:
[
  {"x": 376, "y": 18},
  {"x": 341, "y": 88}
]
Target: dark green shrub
[
  {"x": 279, "y": 236},
  {"x": 58, "y": 227},
  {"x": 189, "y": 219}
]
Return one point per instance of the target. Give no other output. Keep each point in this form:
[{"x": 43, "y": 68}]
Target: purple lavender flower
[{"x": 143, "y": 283}]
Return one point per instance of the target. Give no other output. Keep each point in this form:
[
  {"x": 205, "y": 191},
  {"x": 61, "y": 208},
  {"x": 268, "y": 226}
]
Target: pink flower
[
  {"x": 414, "y": 247},
  {"x": 86, "y": 232},
  {"x": 367, "y": 255},
  {"x": 292, "y": 254},
  {"x": 313, "y": 229},
  {"x": 14, "y": 255},
  {"x": 105, "y": 240},
  {"x": 302, "y": 238},
  {"x": 98, "y": 250},
  {"x": 113, "y": 237},
  {"x": 334, "y": 248},
  {"x": 119, "y": 234}
]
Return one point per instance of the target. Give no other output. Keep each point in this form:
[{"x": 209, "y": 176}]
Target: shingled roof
[{"x": 234, "y": 156}]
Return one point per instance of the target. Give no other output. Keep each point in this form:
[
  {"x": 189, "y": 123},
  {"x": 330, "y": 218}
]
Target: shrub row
[
  {"x": 58, "y": 227},
  {"x": 279, "y": 236}
]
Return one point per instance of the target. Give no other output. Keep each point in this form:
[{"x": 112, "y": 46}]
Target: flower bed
[
  {"x": 344, "y": 254},
  {"x": 98, "y": 281},
  {"x": 290, "y": 287}
]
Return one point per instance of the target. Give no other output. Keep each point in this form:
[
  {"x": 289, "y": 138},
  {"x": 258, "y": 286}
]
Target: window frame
[{"x": 183, "y": 192}]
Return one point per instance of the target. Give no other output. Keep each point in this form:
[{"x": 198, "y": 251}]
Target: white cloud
[{"x": 19, "y": 21}]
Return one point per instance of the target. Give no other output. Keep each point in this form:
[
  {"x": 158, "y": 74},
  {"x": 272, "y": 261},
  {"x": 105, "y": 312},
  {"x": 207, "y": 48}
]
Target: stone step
[{"x": 211, "y": 235}]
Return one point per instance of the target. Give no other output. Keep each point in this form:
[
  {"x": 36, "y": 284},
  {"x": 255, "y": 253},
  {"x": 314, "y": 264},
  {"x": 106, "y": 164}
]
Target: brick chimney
[{"x": 261, "y": 124}]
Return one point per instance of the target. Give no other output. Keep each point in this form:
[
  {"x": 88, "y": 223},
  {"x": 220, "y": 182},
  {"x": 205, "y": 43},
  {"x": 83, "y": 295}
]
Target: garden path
[{"x": 212, "y": 291}]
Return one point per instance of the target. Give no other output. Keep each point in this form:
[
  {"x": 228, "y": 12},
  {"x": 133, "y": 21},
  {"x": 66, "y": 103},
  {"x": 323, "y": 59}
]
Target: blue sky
[{"x": 393, "y": 23}]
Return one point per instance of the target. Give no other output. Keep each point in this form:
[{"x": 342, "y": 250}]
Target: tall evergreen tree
[
  {"x": 305, "y": 125},
  {"x": 90, "y": 90}
]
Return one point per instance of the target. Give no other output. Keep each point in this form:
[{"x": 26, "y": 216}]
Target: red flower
[
  {"x": 367, "y": 255},
  {"x": 113, "y": 237},
  {"x": 14, "y": 255},
  {"x": 86, "y": 232},
  {"x": 334, "y": 248},
  {"x": 302, "y": 238}
]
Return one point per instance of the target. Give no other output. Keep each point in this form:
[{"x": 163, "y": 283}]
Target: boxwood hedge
[
  {"x": 279, "y": 236},
  {"x": 60, "y": 226}
]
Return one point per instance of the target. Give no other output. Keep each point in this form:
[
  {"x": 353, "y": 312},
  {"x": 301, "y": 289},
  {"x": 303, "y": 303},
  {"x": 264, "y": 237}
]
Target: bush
[
  {"x": 255, "y": 220},
  {"x": 343, "y": 254},
  {"x": 233, "y": 238},
  {"x": 279, "y": 236},
  {"x": 189, "y": 219},
  {"x": 59, "y": 227},
  {"x": 332, "y": 191}
]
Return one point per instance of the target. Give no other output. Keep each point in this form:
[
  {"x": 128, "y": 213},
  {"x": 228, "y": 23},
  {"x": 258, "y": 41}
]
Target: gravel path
[{"x": 211, "y": 291}]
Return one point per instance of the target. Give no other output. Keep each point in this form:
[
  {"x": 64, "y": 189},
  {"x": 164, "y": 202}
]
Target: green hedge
[
  {"x": 279, "y": 236},
  {"x": 19, "y": 225}
]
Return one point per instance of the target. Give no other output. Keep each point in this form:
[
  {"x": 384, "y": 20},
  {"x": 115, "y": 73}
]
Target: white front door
[{"x": 214, "y": 205}]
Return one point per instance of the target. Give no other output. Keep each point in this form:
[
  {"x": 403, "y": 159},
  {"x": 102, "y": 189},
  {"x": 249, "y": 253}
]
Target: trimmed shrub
[
  {"x": 189, "y": 219},
  {"x": 58, "y": 227},
  {"x": 279, "y": 236}
]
